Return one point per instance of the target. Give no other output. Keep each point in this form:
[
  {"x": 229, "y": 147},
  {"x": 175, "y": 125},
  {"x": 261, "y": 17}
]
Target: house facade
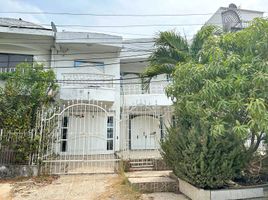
[
  {"x": 106, "y": 109},
  {"x": 105, "y": 106}
]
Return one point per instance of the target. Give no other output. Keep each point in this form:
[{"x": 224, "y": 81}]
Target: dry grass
[
  {"x": 119, "y": 189},
  {"x": 36, "y": 179}
]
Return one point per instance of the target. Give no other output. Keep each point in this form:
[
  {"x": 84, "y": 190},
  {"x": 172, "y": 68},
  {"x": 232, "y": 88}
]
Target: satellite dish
[
  {"x": 232, "y": 6},
  {"x": 230, "y": 19},
  {"x": 53, "y": 26}
]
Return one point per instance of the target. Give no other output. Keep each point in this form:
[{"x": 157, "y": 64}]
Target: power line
[
  {"x": 126, "y": 26},
  {"x": 92, "y": 59},
  {"x": 90, "y": 81},
  {"x": 105, "y": 64},
  {"x": 113, "y": 83},
  {"x": 134, "y": 41},
  {"x": 123, "y": 26},
  {"x": 89, "y": 52},
  {"x": 104, "y": 15},
  {"x": 103, "y": 80},
  {"x": 111, "y": 14}
]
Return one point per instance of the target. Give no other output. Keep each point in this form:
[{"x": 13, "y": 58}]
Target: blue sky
[{"x": 124, "y": 7}]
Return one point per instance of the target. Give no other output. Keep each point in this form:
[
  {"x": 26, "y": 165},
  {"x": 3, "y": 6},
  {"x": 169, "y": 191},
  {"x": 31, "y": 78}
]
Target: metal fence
[{"x": 19, "y": 147}]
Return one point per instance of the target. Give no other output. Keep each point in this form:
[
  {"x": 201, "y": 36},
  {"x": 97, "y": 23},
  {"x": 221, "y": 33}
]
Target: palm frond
[
  {"x": 155, "y": 70},
  {"x": 172, "y": 40},
  {"x": 164, "y": 55}
]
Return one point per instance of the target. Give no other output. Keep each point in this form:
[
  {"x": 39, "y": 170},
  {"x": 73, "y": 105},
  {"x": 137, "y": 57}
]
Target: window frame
[
  {"x": 110, "y": 133},
  {"x": 97, "y": 64},
  {"x": 9, "y": 60}
]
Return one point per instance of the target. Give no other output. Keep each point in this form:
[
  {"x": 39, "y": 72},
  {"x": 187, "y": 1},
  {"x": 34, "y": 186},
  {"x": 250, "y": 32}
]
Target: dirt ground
[
  {"x": 74, "y": 187},
  {"x": 77, "y": 187}
]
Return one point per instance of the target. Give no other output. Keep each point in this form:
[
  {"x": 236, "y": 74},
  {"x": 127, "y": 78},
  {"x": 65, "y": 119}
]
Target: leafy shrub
[{"x": 202, "y": 159}]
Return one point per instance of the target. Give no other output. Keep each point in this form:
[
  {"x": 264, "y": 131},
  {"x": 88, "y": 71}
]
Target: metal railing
[
  {"x": 153, "y": 88},
  {"x": 18, "y": 147},
  {"x": 7, "y": 69},
  {"x": 87, "y": 80}
]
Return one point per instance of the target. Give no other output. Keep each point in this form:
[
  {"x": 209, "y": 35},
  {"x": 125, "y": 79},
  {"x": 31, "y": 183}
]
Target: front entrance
[
  {"x": 79, "y": 138},
  {"x": 145, "y": 132},
  {"x": 142, "y": 127}
]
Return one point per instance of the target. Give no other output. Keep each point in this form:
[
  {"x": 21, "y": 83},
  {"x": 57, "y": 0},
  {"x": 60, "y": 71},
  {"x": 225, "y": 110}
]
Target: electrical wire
[
  {"x": 90, "y": 52},
  {"x": 90, "y": 81},
  {"x": 123, "y": 26},
  {"x": 103, "y": 15},
  {"x": 105, "y": 64},
  {"x": 110, "y": 15},
  {"x": 80, "y": 59}
]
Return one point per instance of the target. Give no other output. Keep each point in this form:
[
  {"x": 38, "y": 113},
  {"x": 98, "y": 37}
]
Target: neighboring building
[{"x": 232, "y": 18}]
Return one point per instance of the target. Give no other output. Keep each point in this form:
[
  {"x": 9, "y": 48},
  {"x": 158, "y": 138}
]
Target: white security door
[
  {"x": 87, "y": 134},
  {"x": 145, "y": 132}
]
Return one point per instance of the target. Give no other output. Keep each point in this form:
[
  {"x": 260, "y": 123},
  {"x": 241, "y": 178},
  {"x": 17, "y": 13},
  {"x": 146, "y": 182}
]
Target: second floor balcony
[
  {"x": 152, "y": 93},
  {"x": 87, "y": 80},
  {"x": 138, "y": 89},
  {"x": 86, "y": 86}
]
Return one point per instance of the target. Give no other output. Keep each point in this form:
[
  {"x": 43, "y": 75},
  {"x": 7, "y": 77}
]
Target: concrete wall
[
  {"x": 11, "y": 171},
  {"x": 233, "y": 193}
]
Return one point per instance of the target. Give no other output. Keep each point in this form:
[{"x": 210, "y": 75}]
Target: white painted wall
[{"x": 245, "y": 15}]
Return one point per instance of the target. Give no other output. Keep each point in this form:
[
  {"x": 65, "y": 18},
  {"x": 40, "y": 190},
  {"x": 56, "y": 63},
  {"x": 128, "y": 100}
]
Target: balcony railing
[
  {"x": 153, "y": 88},
  {"x": 7, "y": 69},
  {"x": 87, "y": 80}
]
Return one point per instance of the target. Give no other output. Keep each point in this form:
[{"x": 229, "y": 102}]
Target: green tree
[
  {"x": 171, "y": 48},
  {"x": 222, "y": 96},
  {"x": 25, "y": 91},
  {"x": 22, "y": 96}
]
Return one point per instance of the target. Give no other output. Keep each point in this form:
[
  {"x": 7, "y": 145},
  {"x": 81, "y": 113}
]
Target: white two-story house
[{"x": 106, "y": 110}]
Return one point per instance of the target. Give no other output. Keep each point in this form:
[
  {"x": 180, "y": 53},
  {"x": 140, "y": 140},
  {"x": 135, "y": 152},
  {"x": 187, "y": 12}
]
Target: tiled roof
[{"x": 19, "y": 23}]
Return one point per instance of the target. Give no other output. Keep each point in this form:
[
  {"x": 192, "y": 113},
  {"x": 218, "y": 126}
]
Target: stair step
[
  {"x": 145, "y": 165},
  {"x": 152, "y": 181},
  {"x": 143, "y": 174},
  {"x": 141, "y": 169},
  {"x": 154, "y": 184},
  {"x": 141, "y": 160},
  {"x": 141, "y": 165}
]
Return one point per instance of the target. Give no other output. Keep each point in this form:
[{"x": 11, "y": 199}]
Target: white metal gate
[
  {"x": 78, "y": 138},
  {"x": 141, "y": 129}
]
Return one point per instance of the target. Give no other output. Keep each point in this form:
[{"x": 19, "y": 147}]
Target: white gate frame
[
  {"x": 144, "y": 110},
  {"x": 62, "y": 129}
]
